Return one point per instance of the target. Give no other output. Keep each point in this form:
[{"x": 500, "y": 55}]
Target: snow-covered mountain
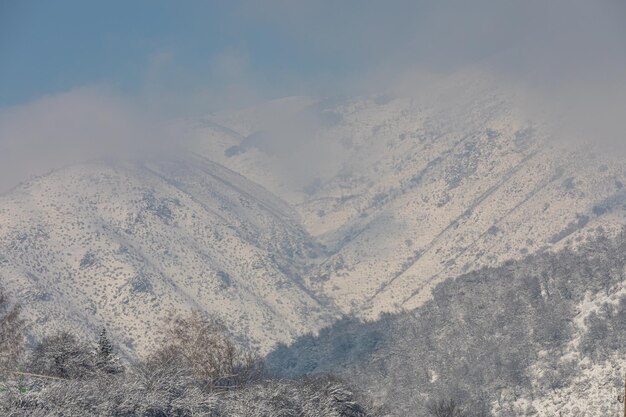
[
  {"x": 298, "y": 210},
  {"x": 127, "y": 244},
  {"x": 417, "y": 191}
]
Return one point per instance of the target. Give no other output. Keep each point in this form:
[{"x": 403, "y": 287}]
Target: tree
[
  {"x": 445, "y": 408},
  {"x": 63, "y": 356},
  {"x": 12, "y": 340},
  {"x": 105, "y": 359},
  {"x": 204, "y": 346}
]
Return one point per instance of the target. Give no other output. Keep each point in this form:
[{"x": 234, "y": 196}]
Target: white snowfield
[{"x": 406, "y": 194}]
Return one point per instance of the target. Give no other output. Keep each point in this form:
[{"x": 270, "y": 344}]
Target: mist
[
  {"x": 563, "y": 61},
  {"x": 73, "y": 127}
]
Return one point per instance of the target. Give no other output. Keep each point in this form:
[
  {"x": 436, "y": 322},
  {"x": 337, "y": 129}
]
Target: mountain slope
[
  {"x": 127, "y": 244},
  {"x": 380, "y": 199},
  {"x": 540, "y": 336},
  {"x": 418, "y": 191}
]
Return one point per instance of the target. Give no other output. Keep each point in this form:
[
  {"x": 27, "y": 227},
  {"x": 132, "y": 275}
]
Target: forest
[{"x": 486, "y": 339}]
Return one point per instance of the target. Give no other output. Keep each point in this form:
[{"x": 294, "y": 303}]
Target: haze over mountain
[
  {"x": 416, "y": 191},
  {"x": 410, "y": 193},
  {"x": 426, "y": 198}
]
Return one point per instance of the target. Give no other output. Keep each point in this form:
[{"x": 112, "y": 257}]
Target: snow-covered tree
[
  {"x": 12, "y": 339},
  {"x": 62, "y": 355},
  {"x": 105, "y": 359},
  {"x": 204, "y": 346}
]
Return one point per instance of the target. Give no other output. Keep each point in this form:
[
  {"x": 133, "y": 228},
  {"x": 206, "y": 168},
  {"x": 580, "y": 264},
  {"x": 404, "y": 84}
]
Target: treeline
[
  {"x": 196, "y": 370},
  {"x": 485, "y": 339}
]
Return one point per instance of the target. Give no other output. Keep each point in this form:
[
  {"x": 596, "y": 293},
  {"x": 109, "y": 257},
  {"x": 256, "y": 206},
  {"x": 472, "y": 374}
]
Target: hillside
[
  {"x": 127, "y": 244},
  {"x": 312, "y": 209},
  {"x": 409, "y": 192},
  {"x": 543, "y": 336}
]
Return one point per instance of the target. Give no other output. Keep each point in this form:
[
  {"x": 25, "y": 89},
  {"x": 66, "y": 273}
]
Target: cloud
[
  {"x": 81, "y": 124},
  {"x": 565, "y": 59},
  {"x": 289, "y": 130},
  {"x": 443, "y": 35},
  {"x": 229, "y": 81}
]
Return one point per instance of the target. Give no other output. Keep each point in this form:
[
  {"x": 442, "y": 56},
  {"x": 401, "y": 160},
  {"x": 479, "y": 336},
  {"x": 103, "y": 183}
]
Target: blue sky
[{"x": 50, "y": 47}]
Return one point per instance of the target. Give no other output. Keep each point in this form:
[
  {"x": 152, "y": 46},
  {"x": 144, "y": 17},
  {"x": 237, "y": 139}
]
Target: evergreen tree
[
  {"x": 105, "y": 348},
  {"x": 106, "y": 361}
]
